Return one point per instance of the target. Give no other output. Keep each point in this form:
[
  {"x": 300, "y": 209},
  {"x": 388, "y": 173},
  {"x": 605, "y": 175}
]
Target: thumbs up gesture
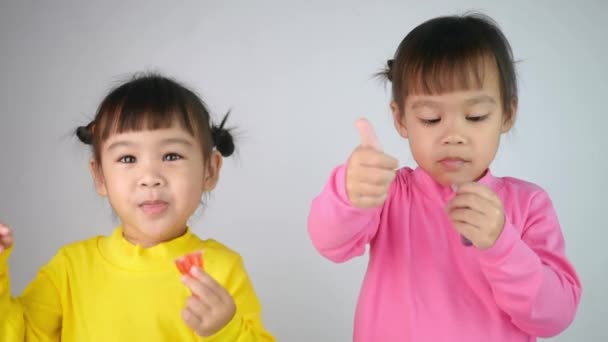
[{"x": 369, "y": 171}]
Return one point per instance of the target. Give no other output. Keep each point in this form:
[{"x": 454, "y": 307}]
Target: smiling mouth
[{"x": 154, "y": 207}]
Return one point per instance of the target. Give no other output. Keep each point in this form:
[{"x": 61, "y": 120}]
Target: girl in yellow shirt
[{"x": 154, "y": 154}]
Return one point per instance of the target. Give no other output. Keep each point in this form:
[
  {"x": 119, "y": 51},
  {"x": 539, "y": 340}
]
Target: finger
[
  {"x": 467, "y": 230},
  {"x": 471, "y": 201},
  {"x": 366, "y": 189},
  {"x": 469, "y": 216},
  {"x": 214, "y": 285},
  {"x": 372, "y": 176},
  {"x": 211, "y": 284},
  {"x": 6, "y": 241},
  {"x": 198, "y": 306},
  {"x": 478, "y": 189},
  {"x": 369, "y": 202},
  {"x": 368, "y": 135},
  {"x": 369, "y": 157},
  {"x": 203, "y": 286},
  {"x": 6, "y": 238},
  {"x": 4, "y": 229},
  {"x": 192, "y": 320},
  {"x": 202, "y": 291}
]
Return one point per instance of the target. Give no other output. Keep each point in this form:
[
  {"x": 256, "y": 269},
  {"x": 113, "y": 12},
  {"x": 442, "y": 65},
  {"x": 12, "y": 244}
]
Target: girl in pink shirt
[{"x": 456, "y": 254}]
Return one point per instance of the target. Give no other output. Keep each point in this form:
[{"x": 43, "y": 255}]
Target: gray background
[{"x": 296, "y": 76}]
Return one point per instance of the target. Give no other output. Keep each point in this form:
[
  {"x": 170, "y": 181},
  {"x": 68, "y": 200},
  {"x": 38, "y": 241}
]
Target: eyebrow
[
  {"x": 425, "y": 103},
  {"x": 472, "y": 101},
  {"x": 168, "y": 141},
  {"x": 481, "y": 99}
]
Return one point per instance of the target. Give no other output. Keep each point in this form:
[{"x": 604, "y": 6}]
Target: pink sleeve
[
  {"x": 531, "y": 278},
  {"x": 338, "y": 230}
]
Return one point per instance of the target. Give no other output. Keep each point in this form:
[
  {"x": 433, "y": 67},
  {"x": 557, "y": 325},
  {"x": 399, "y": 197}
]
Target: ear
[
  {"x": 510, "y": 119},
  {"x": 212, "y": 173},
  {"x": 398, "y": 119},
  {"x": 100, "y": 183}
]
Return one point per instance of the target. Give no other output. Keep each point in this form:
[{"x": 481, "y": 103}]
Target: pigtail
[
  {"x": 386, "y": 73},
  {"x": 389, "y": 69},
  {"x": 85, "y": 133},
  {"x": 222, "y": 138}
]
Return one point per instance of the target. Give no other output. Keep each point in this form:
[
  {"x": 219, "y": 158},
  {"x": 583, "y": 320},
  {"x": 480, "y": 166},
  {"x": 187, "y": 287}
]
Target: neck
[{"x": 150, "y": 241}]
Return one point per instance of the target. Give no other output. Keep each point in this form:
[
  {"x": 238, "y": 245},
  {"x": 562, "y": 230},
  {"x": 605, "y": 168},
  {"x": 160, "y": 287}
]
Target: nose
[
  {"x": 454, "y": 134},
  {"x": 151, "y": 177}
]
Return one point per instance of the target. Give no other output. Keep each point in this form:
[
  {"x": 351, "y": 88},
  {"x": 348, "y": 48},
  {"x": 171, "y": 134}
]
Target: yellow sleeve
[
  {"x": 12, "y": 324},
  {"x": 246, "y": 325},
  {"x": 35, "y": 316}
]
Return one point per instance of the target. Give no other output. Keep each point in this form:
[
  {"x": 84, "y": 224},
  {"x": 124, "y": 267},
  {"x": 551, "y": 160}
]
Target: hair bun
[
  {"x": 222, "y": 139},
  {"x": 84, "y": 134}
]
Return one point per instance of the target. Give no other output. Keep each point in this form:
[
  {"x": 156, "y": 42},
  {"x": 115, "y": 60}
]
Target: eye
[
  {"x": 430, "y": 122},
  {"x": 172, "y": 157},
  {"x": 127, "y": 159},
  {"x": 477, "y": 118}
]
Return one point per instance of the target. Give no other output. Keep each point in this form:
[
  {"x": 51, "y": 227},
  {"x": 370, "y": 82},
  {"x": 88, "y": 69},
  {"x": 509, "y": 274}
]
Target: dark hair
[
  {"x": 152, "y": 101},
  {"x": 448, "y": 53}
]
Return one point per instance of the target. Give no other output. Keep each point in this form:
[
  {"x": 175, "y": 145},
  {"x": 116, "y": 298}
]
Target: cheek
[
  {"x": 117, "y": 182},
  {"x": 488, "y": 143},
  {"x": 422, "y": 151},
  {"x": 421, "y": 140},
  {"x": 188, "y": 181}
]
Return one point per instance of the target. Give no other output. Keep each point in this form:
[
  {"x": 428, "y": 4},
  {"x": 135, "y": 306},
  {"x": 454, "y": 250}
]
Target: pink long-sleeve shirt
[{"x": 423, "y": 284}]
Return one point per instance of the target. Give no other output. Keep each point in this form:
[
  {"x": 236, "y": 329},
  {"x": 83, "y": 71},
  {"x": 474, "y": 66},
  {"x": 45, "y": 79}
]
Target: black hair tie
[{"x": 222, "y": 139}]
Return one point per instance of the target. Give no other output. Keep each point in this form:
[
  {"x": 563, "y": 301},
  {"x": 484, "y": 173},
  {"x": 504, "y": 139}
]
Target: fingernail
[
  {"x": 455, "y": 187},
  {"x": 194, "y": 271}
]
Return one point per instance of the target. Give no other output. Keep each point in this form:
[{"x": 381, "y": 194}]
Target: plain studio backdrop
[{"x": 296, "y": 76}]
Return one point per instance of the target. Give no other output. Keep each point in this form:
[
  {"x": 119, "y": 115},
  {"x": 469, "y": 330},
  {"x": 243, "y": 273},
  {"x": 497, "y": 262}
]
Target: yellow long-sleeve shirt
[{"x": 106, "y": 289}]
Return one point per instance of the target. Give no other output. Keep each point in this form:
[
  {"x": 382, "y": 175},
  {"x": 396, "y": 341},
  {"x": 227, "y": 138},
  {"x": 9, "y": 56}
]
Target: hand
[
  {"x": 477, "y": 214},
  {"x": 6, "y": 237},
  {"x": 210, "y": 307},
  {"x": 370, "y": 171}
]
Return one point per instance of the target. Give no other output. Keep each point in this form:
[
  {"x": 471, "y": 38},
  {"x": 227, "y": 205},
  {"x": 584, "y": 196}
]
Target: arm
[
  {"x": 338, "y": 230},
  {"x": 246, "y": 324},
  {"x": 531, "y": 278},
  {"x": 346, "y": 215}
]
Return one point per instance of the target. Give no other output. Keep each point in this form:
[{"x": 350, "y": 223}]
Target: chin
[{"x": 448, "y": 179}]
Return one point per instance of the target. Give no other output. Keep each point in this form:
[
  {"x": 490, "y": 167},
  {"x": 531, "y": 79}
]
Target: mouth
[
  {"x": 453, "y": 163},
  {"x": 154, "y": 207}
]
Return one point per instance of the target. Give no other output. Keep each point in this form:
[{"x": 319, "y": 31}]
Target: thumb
[{"x": 368, "y": 135}]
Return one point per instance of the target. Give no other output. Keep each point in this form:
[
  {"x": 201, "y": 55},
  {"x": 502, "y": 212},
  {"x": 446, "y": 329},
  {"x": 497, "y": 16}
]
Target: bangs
[
  {"x": 445, "y": 72},
  {"x": 146, "y": 104}
]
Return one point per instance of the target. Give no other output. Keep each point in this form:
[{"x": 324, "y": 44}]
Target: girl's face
[
  {"x": 154, "y": 180},
  {"x": 454, "y": 136}
]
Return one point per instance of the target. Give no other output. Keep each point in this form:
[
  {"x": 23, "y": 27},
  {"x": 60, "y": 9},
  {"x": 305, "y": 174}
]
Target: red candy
[{"x": 186, "y": 262}]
